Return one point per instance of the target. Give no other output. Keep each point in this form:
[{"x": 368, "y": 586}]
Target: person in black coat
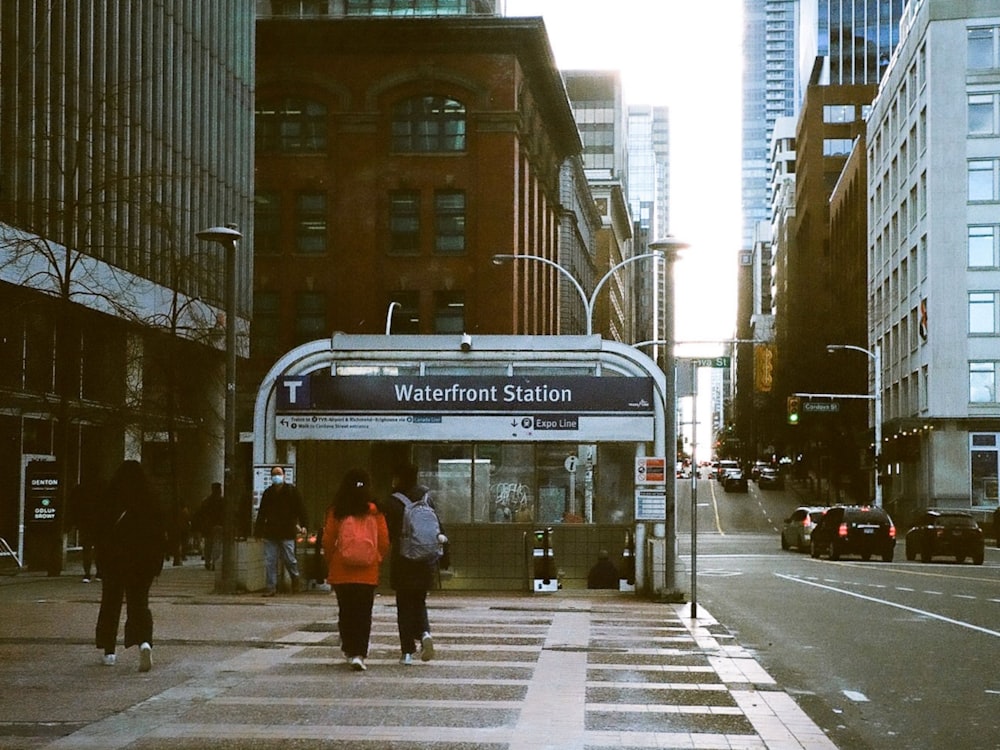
[
  {"x": 410, "y": 579},
  {"x": 131, "y": 544},
  {"x": 280, "y": 518}
]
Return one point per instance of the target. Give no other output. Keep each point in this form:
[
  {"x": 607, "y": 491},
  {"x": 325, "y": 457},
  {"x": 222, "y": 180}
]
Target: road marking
[
  {"x": 924, "y": 612},
  {"x": 855, "y": 696}
]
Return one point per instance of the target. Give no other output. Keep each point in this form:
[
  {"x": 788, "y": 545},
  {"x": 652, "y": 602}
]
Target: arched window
[
  {"x": 291, "y": 124},
  {"x": 427, "y": 124}
]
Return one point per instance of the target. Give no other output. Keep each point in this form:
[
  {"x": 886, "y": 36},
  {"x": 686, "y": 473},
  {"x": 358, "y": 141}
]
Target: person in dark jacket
[
  {"x": 280, "y": 518},
  {"x": 603, "y": 574},
  {"x": 210, "y": 518},
  {"x": 410, "y": 579},
  {"x": 131, "y": 544}
]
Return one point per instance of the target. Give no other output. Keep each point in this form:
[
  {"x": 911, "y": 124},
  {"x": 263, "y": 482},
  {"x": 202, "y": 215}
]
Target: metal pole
[
  {"x": 694, "y": 490},
  {"x": 670, "y": 433},
  {"x": 877, "y": 364},
  {"x": 228, "y": 585},
  {"x": 227, "y": 237}
]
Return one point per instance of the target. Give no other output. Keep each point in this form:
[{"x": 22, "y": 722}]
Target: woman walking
[
  {"x": 355, "y": 539},
  {"x": 130, "y": 548}
]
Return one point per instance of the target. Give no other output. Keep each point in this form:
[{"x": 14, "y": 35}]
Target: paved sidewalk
[{"x": 572, "y": 670}]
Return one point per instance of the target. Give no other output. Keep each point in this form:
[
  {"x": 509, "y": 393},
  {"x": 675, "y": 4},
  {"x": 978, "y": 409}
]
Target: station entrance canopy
[{"x": 431, "y": 388}]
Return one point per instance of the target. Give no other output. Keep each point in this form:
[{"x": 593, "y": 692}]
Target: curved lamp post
[
  {"x": 227, "y": 236},
  {"x": 588, "y": 303},
  {"x": 669, "y": 247},
  {"x": 875, "y": 355}
]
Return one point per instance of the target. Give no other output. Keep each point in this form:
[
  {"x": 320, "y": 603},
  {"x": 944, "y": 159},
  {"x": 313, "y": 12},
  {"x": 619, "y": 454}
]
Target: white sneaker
[
  {"x": 145, "y": 657},
  {"x": 406, "y": 660},
  {"x": 426, "y": 647},
  {"x": 358, "y": 664},
  {"x": 108, "y": 660}
]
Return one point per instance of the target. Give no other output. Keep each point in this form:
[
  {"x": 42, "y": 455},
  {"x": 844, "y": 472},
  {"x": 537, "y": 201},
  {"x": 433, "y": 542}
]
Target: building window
[
  {"x": 982, "y": 180},
  {"x": 982, "y": 382},
  {"x": 404, "y": 222},
  {"x": 310, "y": 316},
  {"x": 428, "y": 124},
  {"x": 982, "y": 312},
  {"x": 982, "y": 48},
  {"x": 407, "y": 7},
  {"x": 266, "y": 323},
  {"x": 837, "y": 146},
  {"x": 266, "y": 224},
  {"x": 838, "y": 113},
  {"x": 310, "y": 223},
  {"x": 983, "y": 114},
  {"x": 449, "y": 312},
  {"x": 983, "y": 247},
  {"x": 405, "y": 316},
  {"x": 291, "y": 125},
  {"x": 449, "y": 222}
]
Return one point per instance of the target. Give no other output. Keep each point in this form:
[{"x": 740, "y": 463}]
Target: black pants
[
  {"x": 354, "y": 619},
  {"x": 411, "y": 617},
  {"x": 138, "y": 618}
]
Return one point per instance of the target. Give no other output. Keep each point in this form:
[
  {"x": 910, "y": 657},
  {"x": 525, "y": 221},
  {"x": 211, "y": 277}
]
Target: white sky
[{"x": 685, "y": 54}]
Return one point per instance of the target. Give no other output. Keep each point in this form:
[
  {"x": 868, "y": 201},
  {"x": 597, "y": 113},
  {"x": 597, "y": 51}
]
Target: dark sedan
[
  {"x": 734, "y": 480},
  {"x": 945, "y": 533}
]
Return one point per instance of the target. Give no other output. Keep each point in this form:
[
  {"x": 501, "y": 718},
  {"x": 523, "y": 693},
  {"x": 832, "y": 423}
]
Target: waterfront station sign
[{"x": 465, "y": 407}]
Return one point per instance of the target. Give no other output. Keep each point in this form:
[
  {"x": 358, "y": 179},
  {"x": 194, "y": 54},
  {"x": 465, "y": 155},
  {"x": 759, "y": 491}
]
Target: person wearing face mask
[{"x": 280, "y": 518}]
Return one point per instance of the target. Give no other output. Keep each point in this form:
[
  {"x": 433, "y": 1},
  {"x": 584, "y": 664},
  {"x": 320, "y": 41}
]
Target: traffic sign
[
  {"x": 711, "y": 361},
  {"x": 824, "y": 407}
]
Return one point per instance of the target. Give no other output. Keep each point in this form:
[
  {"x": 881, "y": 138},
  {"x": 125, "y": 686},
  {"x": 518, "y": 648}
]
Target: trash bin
[{"x": 543, "y": 562}]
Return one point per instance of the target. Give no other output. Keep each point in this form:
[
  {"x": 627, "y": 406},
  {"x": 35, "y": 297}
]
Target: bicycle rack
[{"x": 6, "y": 551}]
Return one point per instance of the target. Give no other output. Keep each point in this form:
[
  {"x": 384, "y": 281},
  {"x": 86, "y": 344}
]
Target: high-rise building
[
  {"x": 933, "y": 143},
  {"x": 125, "y": 128}
]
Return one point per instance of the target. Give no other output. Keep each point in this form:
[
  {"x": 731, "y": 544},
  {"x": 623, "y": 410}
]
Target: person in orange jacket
[{"x": 355, "y": 540}]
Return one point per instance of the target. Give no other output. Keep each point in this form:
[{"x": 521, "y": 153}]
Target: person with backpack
[
  {"x": 355, "y": 540},
  {"x": 417, "y": 542}
]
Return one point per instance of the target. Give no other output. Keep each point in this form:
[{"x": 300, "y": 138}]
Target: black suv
[{"x": 854, "y": 530}]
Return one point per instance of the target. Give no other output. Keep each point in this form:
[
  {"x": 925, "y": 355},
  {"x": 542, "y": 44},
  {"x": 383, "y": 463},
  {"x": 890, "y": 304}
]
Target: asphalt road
[{"x": 880, "y": 655}]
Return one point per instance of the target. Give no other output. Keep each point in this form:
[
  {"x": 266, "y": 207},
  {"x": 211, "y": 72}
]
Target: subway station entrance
[{"x": 519, "y": 437}]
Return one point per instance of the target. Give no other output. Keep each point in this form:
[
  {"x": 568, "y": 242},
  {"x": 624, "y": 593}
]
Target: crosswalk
[{"x": 514, "y": 673}]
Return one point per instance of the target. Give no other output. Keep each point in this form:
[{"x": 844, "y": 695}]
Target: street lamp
[
  {"x": 669, "y": 247},
  {"x": 227, "y": 236},
  {"x": 588, "y": 304},
  {"x": 875, "y": 355}
]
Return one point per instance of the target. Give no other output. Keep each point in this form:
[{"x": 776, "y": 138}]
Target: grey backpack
[{"x": 418, "y": 539}]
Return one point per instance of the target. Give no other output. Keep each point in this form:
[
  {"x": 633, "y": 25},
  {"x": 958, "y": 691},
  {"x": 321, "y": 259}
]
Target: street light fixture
[
  {"x": 227, "y": 236},
  {"x": 669, "y": 247},
  {"x": 588, "y": 303},
  {"x": 875, "y": 355}
]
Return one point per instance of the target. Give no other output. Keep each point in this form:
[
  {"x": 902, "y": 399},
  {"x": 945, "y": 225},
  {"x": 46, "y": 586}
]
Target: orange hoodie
[{"x": 337, "y": 571}]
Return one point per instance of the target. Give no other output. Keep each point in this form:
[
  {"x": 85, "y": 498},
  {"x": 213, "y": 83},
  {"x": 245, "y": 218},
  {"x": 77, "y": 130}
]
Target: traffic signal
[{"x": 794, "y": 408}]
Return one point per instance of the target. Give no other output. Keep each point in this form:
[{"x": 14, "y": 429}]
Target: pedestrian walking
[
  {"x": 209, "y": 522},
  {"x": 280, "y": 518},
  {"x": 355, "y": 540},
  {"x": 131, "y": 546},
  {"x": 411, "y": 575},
  {"x": 85, "y": 506},
  {"x": 603, "y": 574}
]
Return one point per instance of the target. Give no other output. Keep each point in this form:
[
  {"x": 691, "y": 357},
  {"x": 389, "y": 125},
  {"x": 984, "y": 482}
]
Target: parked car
[
  {"x": 797, "y": 529},
  {"x": 945, "y": 533},
  {"x": 770, "y": 479},
  {"x": 863, "y": 530},
  {"x": 734, "y": 480}
]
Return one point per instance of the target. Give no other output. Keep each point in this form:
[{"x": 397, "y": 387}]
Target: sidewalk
[{"x": 569, "y": 670}]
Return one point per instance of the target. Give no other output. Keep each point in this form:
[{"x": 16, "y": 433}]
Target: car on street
[
  {"x": 770, "y": 478},
  {"x": 734, "y": 480},
  {"x": 724, "y": 466},
  {"x": 862, "y": 530},
  {"x": 796, "y": 531},
  {"x": 946, "y": 533}
]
